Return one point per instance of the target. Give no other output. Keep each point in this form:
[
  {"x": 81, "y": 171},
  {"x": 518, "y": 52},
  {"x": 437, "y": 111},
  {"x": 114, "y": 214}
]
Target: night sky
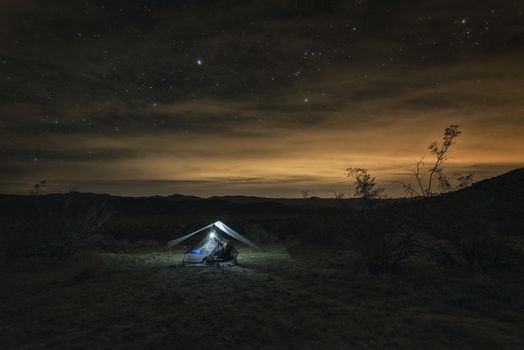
[{"x": 261, "y": 98}]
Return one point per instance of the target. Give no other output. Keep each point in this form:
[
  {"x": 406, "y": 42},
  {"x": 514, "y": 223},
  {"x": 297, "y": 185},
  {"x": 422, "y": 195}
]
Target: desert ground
[
  {"x": 438, "y": 273},
  {"x": 277, "y": 297}
]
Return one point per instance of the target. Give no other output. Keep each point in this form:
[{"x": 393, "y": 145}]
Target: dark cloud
[{"x": 253, "y": 93}]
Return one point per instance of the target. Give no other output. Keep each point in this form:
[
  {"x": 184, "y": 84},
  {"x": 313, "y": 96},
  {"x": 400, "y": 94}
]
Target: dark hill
[
  {"x": 494, "y": 205},
  {"x": 16, "y": 205},
  {"x": 501, "y": 196},
  {"x": 506, "y": 187}
]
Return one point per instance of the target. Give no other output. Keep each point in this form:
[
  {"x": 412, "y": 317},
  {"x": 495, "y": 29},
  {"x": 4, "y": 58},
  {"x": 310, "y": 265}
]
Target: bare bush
[
  {"x": 381, "y": 246},
  {"x": 56, "y": 230},
  {"x": 337, "y": 195},
  {"x": 306, "y": 194},
  {"x": 38, "y": 188},
  {"x": 428, "y": 180},
  {"x": 365, "y": 184},
  {"x": 480, "y": 252}
]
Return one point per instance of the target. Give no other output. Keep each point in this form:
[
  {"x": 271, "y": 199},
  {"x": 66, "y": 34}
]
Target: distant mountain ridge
[
  {"x": 506, "y": 191},
  {"x": 492, "y": 206}
]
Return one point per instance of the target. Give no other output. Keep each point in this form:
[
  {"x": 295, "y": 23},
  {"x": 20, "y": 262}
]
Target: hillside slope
[{"x": 494, "y": 205}]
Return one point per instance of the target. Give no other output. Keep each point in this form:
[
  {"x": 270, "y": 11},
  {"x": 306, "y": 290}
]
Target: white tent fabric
[
  {"x": 234, "y": 233},
  {"x": 174, "y": 242},
  {"x": 222, "y": 227}
]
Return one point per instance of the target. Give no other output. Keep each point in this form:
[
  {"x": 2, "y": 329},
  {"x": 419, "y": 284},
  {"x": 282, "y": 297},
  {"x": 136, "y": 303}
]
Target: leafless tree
[{"x": 427, "y": 178}]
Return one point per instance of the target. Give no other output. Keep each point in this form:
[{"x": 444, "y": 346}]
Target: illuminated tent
[{"x": 214, "y": 248}]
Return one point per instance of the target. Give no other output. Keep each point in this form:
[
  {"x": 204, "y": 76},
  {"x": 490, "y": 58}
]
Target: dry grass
[{"x": 276, "y": 298}]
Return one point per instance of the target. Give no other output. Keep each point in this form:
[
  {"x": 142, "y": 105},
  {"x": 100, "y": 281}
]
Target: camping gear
[{"x": 214, "y": 248}]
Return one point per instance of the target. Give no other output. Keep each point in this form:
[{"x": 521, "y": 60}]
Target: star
[{"x": 199, "y": 62}]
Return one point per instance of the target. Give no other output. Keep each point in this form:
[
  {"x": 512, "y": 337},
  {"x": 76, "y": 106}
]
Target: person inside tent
[{"x": 226, "y": 251}]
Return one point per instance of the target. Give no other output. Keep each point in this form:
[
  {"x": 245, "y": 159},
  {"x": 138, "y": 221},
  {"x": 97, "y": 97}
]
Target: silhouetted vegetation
[
  {"x": 60, "y": 229},
  {"x": 383, "y": 244},
  {"x": 305, "y": 193},
  {"x": 480, "y": 252},
  {"x": 38, "y": 187},
  {"x": 366, "y": 187},
  {"x": 427, "y": 179}
]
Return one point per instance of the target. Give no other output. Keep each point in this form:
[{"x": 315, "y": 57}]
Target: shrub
[
  {"x": 58, "y": 230},
  {"x": 382, "y": 246},
  {"x": 481, "y": 252}
]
